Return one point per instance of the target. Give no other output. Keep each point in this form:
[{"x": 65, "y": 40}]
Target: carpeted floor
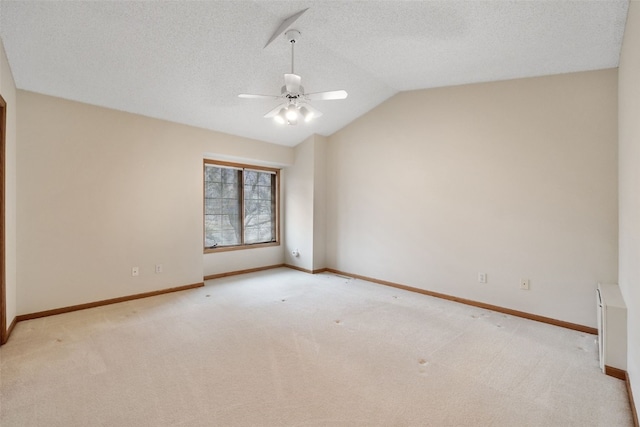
[{"x": 285, "y": 348}]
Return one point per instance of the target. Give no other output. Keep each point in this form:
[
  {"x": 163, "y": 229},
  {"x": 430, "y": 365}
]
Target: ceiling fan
[{"x": 294, "y": 103}]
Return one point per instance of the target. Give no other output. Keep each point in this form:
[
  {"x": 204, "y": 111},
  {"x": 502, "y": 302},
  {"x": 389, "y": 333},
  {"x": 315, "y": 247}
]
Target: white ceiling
[{"x": 187, "y": 61}]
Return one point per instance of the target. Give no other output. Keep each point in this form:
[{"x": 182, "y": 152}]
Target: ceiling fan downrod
[{"x": 292, "y": 36}]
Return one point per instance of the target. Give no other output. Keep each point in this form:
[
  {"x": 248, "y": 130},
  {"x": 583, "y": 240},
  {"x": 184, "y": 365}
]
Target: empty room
[{"x": 320, "y": 213}]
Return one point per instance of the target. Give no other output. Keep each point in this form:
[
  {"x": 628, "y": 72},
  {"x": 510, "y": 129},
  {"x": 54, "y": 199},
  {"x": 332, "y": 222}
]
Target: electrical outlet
[
  {"x": 135, "y": 271},
  {"x": 482, "y": 277},
  {"x": 158, "y": 268},
  {"x": 524, "y": 284}
]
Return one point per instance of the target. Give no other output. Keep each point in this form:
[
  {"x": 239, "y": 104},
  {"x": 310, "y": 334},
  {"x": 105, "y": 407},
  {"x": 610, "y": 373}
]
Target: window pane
[
  {"x": 212, "y": 189},
  {"x": 230, "y": 191},
  {"x": 265, "y": 208},
  {"x": 213, "y": 222},
  {"x": 212, "y": 173},
  {"x": 250, "y": 177},
  {"x": 230, "y": 207},
  {"x": 229, "y": 175},
  {"x": 210, "y": 228},
  {"x": 251, "y": 235},
  {"x": 264, "y": 192},
  {"x": 251, "y": 207},
  {"x": 265, "y": 233},
  {"x": 229, "y": 237},
  {"x": 239, "y": 206},
  {"x": 250, "y": 192},
  {"x": 212, "y": 206},
  {"x": 221, "y": 207},
  {"x": 264, "y": 179},
  {"x": 259, "y": 220}
]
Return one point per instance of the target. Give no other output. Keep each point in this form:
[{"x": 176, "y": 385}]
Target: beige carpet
[{"x": 284, "y": 348}]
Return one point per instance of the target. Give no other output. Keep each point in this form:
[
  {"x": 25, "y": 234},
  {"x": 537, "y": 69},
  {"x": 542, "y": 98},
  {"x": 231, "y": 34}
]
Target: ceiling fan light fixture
[
  {"x": 281, "y": 118},
  {"x": 306, "y": 114},
  {"x": 292, "y": 114}
]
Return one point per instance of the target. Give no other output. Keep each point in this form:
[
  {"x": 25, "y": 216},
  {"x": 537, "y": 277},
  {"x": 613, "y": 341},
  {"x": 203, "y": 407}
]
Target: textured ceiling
[{"x": 187, "y": 61}]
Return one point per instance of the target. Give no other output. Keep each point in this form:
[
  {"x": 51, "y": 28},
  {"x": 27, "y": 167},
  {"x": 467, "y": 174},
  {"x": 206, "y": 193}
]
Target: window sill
[{"x": 239, "y": 248}]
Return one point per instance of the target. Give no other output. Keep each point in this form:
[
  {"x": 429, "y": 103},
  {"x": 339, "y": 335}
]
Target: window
[{"x": 240, "y": 206}]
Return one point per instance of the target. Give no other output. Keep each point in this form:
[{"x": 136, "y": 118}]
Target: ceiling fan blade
[
  {"x": 273, "y": 112},
  {"x": 292, "y": 82},
  {"x": 252, "y": 96},
  {"x": 326, "y": 96},
  {"x": 285, "y": 24}
]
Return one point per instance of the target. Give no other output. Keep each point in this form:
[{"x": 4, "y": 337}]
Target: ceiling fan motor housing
[{"x": 290, "y": 95}]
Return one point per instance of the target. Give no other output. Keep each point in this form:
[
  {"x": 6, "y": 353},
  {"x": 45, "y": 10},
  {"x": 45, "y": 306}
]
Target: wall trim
[
  {"x": 4, "y": 331},
  {"x": 517, "y": 313},
  {"x": 293, "y": 267},
  {"x": 9, "y": 330},
  {"x": 620, "y": 374},
  {"x": 634, "y": 412},
  {"x": 248, "y": 270},
  {"x": 105, "y": 302}
]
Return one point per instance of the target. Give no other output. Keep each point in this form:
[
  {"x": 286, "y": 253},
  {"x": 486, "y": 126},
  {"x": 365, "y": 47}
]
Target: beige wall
[
  {"x": 304, "y": 205},
  {"x": 515, "y": 179},
  {"x": 629, "y": 182},
  {"x": 319, "y": 202},
  {"x": 298, "y": 204},
  {"x": 101, "y": 191},
  {"x": 8, "y": 92}
]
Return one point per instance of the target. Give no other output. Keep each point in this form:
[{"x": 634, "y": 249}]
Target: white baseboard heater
[{"x": 612, "y": 328}]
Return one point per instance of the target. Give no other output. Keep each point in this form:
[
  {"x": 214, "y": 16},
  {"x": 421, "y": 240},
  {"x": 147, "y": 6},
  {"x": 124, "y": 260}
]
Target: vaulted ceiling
[{"x": 187, "y": 61}]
